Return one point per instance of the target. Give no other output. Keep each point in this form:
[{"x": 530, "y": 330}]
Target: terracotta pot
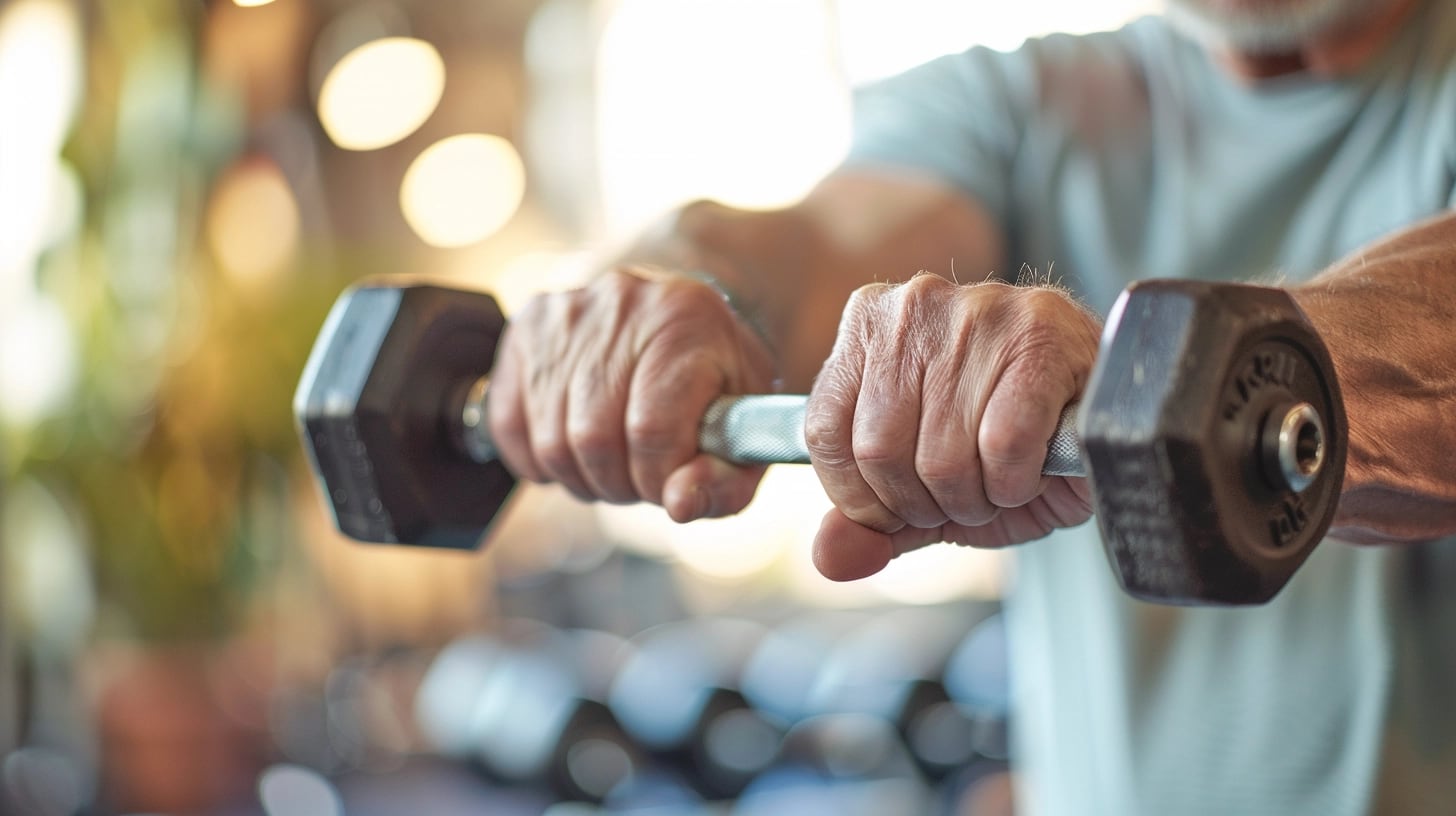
[{"x": 170, "y": 743}]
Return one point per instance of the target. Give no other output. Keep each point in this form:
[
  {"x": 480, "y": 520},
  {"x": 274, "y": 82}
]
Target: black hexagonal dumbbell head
[
  {"x": 378, "y": 404},
  {"x": 1181, "y": 433}
]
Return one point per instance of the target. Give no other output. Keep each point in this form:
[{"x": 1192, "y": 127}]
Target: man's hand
[
  {"x": 602, "y": 389},
  {"x": 930, "y": 420}
]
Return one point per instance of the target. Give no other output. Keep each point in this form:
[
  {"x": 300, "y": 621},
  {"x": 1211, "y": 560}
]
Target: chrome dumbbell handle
[{"x": 757, "y": 429}]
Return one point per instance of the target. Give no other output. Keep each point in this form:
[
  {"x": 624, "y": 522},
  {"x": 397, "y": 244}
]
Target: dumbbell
[
  {"x": 1212, "y": 431},
  {"x": 528, "y": 707},
  {"x": 892, "y": 667},
  {"x": 679, "y": 697}
]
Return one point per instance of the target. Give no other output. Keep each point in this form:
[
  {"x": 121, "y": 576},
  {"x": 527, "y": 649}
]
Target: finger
[
  {"x": 708, "y": 487},
  {"x": 886, "y": 427},
  {"x": 829, "y": 417},
  {"x": 665, "y": 404},
  {"x": 508, "y": 418},
  {"x": 1063, "y": 504},
  {"x": 845, "y": 550},
  {"x": 550, "y": 442},
  {"x": 596, "y": 403},
  {"x": 1019, "y": 421},
  {"x": 1053, "y": 346},
  {"x": 947, "y": 457}
]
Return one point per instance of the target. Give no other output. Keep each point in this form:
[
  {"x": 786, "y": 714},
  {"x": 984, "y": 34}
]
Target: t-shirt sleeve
[{"x": 952, "y": 118}]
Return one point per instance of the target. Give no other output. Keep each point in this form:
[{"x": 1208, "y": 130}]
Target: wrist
[{"x": 744, "y": 310}]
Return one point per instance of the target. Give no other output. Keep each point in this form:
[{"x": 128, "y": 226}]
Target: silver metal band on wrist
[{"x": 736, "y": 304}]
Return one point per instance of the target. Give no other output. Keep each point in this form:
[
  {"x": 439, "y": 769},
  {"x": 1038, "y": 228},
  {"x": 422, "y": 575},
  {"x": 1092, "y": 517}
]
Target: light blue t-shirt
[{"x": 1130, "y": 154}]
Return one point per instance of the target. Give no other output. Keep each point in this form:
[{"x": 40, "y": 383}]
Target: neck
[{"x": 1336, "y": 53}]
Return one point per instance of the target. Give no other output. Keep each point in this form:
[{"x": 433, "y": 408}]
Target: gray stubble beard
[{"x": 1273, "y": 27}]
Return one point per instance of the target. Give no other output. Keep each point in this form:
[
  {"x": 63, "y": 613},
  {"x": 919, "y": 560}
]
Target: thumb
[
  {"x": 708, "y": 487},
  {"x": 845, "y": 550}
]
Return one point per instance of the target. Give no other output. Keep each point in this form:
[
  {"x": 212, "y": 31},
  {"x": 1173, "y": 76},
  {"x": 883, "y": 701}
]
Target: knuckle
[
  {"x": 1003, "y": 447},
  {"x": 1043, "y": 301},
  {"x": 913, "y": 298},
  {"x": 871, "y": 514},
  {"x": 875, "y": 447},
  {"x": 618, "y": 279},
  {"x": 953, "y": 489},
  {"x": 688, "y": 296},
  {"x": 940, "y": 474},
  {"x": 922, "y": 288},
  {"x": 1005, "y": 487},
  {"x": 554, "y": 453},
  {"x": 867, "y": 301},
  {"x": 593, "y": 442},
  {"x": 652, "y": 432},
  {"x": 825, "y": 437}
]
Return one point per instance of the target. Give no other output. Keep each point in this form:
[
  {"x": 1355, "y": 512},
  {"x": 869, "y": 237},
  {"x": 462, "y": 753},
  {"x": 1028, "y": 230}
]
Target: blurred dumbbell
[
  {"x": 528, "y": 709},
  {"x": 892, "y": 667},
  {"x": 976, "y": 678},
  {"x": 1212, "y": 431},
  {"x": 678, "y": 697},
  {"x": 779, "y": 678},
  {"x": 843, "y": 764}
]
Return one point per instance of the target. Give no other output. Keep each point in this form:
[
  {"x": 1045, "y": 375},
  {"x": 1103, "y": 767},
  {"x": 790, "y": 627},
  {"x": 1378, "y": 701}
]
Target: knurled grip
[
  {"x": 769, "y": 429},
  {"x": 756, "y": 430}
]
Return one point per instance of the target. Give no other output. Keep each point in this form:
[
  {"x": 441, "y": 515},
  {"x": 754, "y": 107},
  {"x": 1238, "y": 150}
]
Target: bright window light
[
  {"x": 462, "y": 189},
  {"x": 40, "y": 89},
  {"x": 738, "y": 100},
  {"x": 381, "y": 92},
  {"x": 38, "y": 360}
]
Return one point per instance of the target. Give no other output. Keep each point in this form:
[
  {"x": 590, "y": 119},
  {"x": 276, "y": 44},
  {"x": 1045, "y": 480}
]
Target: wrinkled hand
[
  {"x": 930, "y": 420},
  {"x": 602, "y": 389}
]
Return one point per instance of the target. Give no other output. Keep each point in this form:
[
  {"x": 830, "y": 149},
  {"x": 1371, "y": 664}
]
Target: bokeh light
[
  {"x": 251, "y": 3},
  {"x": 293, "y": 790},
  {"x": 381, "y": 92},
  {"x": 462, "y": 189},
  {"x": 38, "y": 360},
  {"x": 46, "y": 560},
  {"x": 253, "y": 224},
  {"x": 40, "y": 89}
]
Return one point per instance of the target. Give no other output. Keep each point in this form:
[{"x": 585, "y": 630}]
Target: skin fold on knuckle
[
  {"x": 869, "y": 513},
  {"x": 554, "y": 453},
  {"x": 655, "y": 427},
  {"x": 889, "y": 471},
  {"x": 954, "y": 485},
  {"x": 600, "y": 455},
  {"x": 827, "y": 419}
]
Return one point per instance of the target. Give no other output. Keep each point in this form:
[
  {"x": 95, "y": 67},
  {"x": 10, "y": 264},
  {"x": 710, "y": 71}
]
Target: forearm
[
  {"x": 791, "y": 271},
  {"x": 771, "y": 263},
  {"x": 1388, "y": 315}
]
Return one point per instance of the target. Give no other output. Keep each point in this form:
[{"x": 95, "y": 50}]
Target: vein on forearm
[{"x": 1388, "y": 315}]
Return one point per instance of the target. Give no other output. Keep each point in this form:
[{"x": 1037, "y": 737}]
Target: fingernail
[{"x": 688, "y": 504}]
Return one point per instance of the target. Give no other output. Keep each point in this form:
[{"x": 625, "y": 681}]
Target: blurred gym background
[{"x": 184, "y": 189}]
